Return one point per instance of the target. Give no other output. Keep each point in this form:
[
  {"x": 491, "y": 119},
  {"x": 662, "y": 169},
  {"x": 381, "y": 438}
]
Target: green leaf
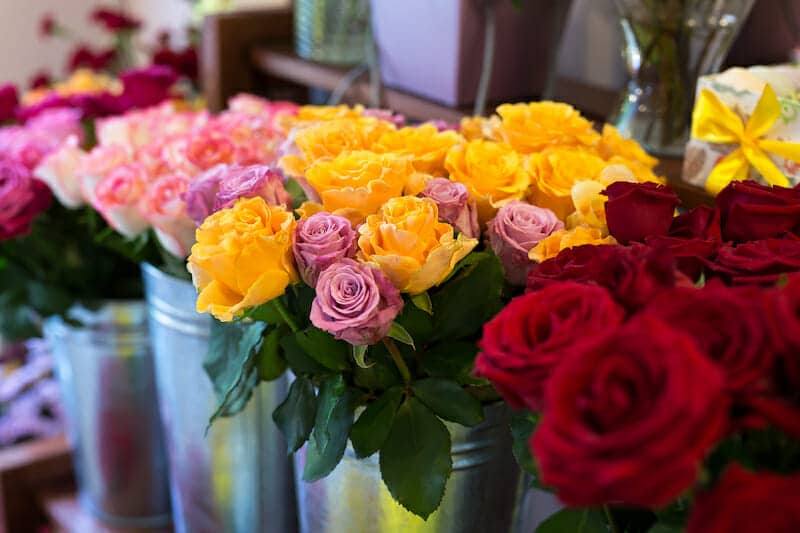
[
  {"x": 522, "y": 427},
  {"x": 417, "y": 322},
  {"x": 331, "y": 428},
  {"x": 269, "y": 362},
  {"x": 382, "y": 372},
  {"x": 448, "y": 400},
  {"x": 296, "y": 192},
  {"x": 701, "y": 281},
  {"x": 665, "y": 528},
  {"x": 453, "y": 360},
  {"x": 423, "y": 301},
  {"x": 469, "y": 300},
  {"x": 399, "y": 333},
  {"x": 373, "y": 426},
  {"x": 574, "y": 521},
  {"x": 265, "y": 313},
  {"x": 360, "y": 356},
  {"x": 415, "y": 459},
  {"x": 323, "y": 348},
  {"x": 295, "y": 415},
  {"x": 299, "y": 361},
  {"x": 230, "y": 364}
]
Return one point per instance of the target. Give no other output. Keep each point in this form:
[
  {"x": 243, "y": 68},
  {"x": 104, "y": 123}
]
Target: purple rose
[
  {"x": 454, "y": 205},
  {"x": 514, "y": 231},
  {"x": 355, "y": 303},
  {"x": 249, "y": 182},
  {"x": 202, "y": 193},
  {"x": 321, "y": 240}
]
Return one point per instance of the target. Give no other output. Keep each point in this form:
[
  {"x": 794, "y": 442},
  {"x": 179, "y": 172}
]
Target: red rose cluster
[{"x": 642, "y": 358}]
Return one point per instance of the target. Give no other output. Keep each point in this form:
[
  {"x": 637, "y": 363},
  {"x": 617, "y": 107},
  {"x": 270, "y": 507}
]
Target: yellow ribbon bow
[{"x": 714, "y": 122}]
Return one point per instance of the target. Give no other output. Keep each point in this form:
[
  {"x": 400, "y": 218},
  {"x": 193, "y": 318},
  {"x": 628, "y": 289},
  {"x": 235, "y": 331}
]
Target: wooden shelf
[{"x": 68, "y": 516}]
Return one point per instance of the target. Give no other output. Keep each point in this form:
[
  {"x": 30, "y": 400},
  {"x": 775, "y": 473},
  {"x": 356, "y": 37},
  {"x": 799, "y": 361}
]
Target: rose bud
[
  {"x": 517, "y": 228},
  {"x": 321, "y": 240},
  {"x": 455, "y": 207}
]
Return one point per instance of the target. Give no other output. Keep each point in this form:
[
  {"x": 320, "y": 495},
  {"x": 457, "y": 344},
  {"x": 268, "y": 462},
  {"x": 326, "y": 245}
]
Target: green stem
[
  {"x": 398, "y": 360},
  {"x": 610, "y": 518},
  {"x": 285, "y": 315}
]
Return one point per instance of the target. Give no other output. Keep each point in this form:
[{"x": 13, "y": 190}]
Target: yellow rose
[
  {"x": 562, "y": 239},
  {"x": 325, "y": 140},
  {"x": 590, "y": 203},
  {"x": 612, "y": 144},
  {"x": 473, "y": 128},
  {"x": 356, "y": 184},
  {"x": 409, "y": 244},
  {"x": 553, "y": 174},
  {"x": 493, "y": 173},
  {"x": 309, "y": 113},
  {"x": 309, "y": 208},
  {"x": 533, "y": 127},
  {"x": 425, "y": 145},
  {"x": 242, "y": 258}
]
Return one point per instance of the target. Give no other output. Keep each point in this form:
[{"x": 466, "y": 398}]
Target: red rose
[
  {"x": 758, "y": 262},
  {"x": 691, "y": 255},
  {"x": 21, "y": 199},
  {"x": 748, "y": 502},
  {"x": 522, "y": 345},
  {"x": 729, "y": 326},
  {"x": 40, "y": 80},
  {"x": 633, "y": 274},
  {"x": 114, "y": 20},
  {"x": 184, "y": 62},
  {"x": 750, "y": 211},
  {"x": 147, "y": 86},
  {"x": 702, "y": 222},
  {"x": 630, "y": 417},
  {"x": 8, "y": 102},
  {"x": 637, "y": 210},
  {"x": 85, "y": 57}
]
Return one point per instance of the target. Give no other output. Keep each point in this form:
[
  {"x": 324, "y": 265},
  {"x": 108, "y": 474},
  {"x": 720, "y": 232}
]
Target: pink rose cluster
[{"x": 166, "y": 168}]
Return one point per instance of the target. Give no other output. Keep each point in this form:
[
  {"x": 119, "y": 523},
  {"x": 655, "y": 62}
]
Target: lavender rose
[
  {"x": 320, "y": 240},
  {"x": 249, "y": 182},
  {"x": 355, "y": 303},
  {"x": 454, "y": 204},
  {"x": 514, "y": 231},
  {"x": 202, "y": 193}
]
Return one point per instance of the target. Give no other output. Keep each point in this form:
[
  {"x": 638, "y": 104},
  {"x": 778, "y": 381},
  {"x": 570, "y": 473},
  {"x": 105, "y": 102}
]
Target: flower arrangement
[
  {"x": 374, "y": 291},
  {"x": 660, "y": 376}
]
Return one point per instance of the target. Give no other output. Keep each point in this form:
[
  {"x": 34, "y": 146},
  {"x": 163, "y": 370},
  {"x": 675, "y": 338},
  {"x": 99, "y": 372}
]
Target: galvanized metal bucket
[
  {"x": 105, "y": 370},
  {"x": 238, "y": 477},
  {"x": 479, "y": 497}
]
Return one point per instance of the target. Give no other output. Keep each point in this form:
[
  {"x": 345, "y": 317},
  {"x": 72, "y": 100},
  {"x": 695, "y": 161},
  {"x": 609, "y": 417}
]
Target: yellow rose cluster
[{"x": 418, "y": 198}]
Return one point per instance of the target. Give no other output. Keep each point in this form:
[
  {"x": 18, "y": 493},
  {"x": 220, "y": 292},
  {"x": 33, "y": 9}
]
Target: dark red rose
[
  {"x": 8, "y": 102},
  {"x": 633, "y": 274},
  {"x": 750, "y": 211},
  {"x": 147, "y": 86},
  {"x": 114, "y": 20},
  {"x": 183, "y": 62},
  {"x": 748, "y": 502},
  {"x": 730, "y": 326},
  {"x": 84, "y": 57},
  {"x": 630, "y": 417},
  {"x": 47, "y": 25},
  {"x": 637, "y": 210},
  {"x": 691, "y": 255},
  {"x": 701, "y": 222},
  {"x": 758, "y": 262},
  {"x": 523, "y": 344},
  {"x": 40, "y": 80},
  {"x": 22, "y": 198}
]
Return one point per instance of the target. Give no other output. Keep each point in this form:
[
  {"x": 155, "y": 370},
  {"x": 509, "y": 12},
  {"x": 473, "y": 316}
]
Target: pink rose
[
  {"x": 175, "y": 154},
  {"x": 118, "y": 197},
  {"x": 59, "y": 171},
  {"x": 321, "y": 240},
  {"x": 514, "y": 231},
  {"x": 209, "y": 147},
  {"x": 249, "y": 104},
  {"x": 249, "y": 182},
  {"x": 201, "y": 195},
  {"x": 21, "y": 199},
  {"x": 454, "y": 205},
  {"x": 165, "y": 209},
  {"x": 355, "y": 303},
  {"x": 97, "y": 165},
  {"x": 58, "y": 124}
]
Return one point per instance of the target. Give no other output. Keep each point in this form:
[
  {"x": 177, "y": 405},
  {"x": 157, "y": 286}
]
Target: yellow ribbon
[{"x": 714, "y": 122}]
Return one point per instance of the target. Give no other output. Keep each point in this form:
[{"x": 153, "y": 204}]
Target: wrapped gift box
[{"x": 740, "y": 90}]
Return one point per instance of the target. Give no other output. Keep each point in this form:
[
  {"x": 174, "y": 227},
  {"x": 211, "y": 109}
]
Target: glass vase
[
  {"x": 332, "y": 31},
  {"x": 668, "y": 45}
]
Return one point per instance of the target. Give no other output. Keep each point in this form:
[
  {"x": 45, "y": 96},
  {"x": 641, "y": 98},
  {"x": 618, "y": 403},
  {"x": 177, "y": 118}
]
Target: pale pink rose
[
  {"x": 165, "y": 208},
  {"x": 259, "y": 107},
  {"x": 115, "y": 130},
  {"x": 455, "y": 207},
  {"x": 150, "y": 157},
  {"x": 59, "y": 171},
  {"x": 174, "y": 153},
  {"x": 118, "y": 197},
  {"x": 97, "y": 165},
  {"x": 514, "y": 231}
]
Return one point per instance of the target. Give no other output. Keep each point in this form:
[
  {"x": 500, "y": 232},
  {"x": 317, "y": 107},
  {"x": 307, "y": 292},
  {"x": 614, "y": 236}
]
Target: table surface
[{"x": 68, "y": 516}]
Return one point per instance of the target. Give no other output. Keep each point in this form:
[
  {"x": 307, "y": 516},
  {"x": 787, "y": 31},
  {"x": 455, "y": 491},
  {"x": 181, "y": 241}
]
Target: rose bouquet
[
  {"x": 373, "y": 292},
  {"x": 660, "y": 376}
]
